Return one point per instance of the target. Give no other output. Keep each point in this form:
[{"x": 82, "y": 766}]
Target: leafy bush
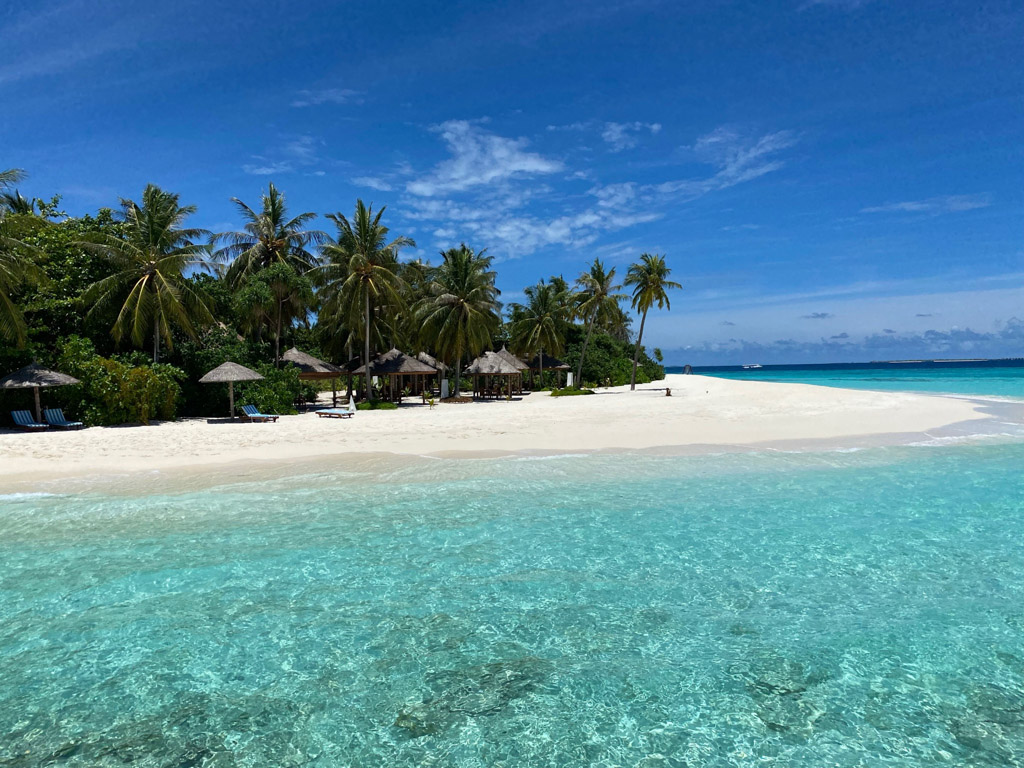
[
  {"x": 113, "y": 391},
  {"x": 570, "y": 392},
  {"x": 376, "y": 405},
  {"x": 276, "y": 393}
]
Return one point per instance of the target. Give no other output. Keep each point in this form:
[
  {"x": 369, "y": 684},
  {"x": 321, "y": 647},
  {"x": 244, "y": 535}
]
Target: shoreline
[{"x": 705, "y": 415}]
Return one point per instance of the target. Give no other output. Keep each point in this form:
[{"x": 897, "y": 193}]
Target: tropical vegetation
[{"x": 139, "y": 303}]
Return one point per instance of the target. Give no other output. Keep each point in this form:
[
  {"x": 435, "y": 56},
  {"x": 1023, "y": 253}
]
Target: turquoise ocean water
[
  {"x": 1003, "y": 382},
  {"x": 773, "y": 609}
]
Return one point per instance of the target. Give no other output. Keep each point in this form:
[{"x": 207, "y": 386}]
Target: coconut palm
[
  {"x": 275, "y": 297},
  {"x": 15, "y": 202},
  {"x": 268, "y": 237},
  {"x": 361, "y": 272},
  {"x": 649, "y": 278},
  {"x": 598, "y": 302},
  {"x": 150, "y": 261},
  {"x": 540, "y": 322},
  {"x": 11, "y": 176},
  {"x": 17, "y": 268},
  {"x": 462, "y": 311}
]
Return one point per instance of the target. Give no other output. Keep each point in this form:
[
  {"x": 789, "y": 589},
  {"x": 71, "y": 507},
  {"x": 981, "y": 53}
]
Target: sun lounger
[
  {"x": 334, "y": 413},
  {"x": 24, "y": 420},
  {"x": 55, "y": 418},
  {"x": 251, "y": 413}
]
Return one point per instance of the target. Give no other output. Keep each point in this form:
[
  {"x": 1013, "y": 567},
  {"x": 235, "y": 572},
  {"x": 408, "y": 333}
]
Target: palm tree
[
  {"x": 598, "y": 300},
  {"x": 15, "y": 202},
  {"x": 361, "y": 272},
  {"x": 16, "y": 268},
  {"x": 540, "y": 321},
  {"x": 268, "y": 237},
  {"x": 150, "y": 261},
  {"x": 462, "y": 311},
  {"x": 11, "y": 176},
  {"x": 650, "y": 282}
]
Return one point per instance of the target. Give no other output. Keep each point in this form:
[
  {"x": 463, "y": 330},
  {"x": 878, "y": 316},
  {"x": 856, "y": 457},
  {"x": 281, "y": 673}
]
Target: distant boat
[{"x": 748, "y": 367}]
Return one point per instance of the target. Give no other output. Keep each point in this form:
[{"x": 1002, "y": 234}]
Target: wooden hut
[
  {"x": 399, "y": 368},
  {"x": 519, "y": 365},
  {"x": 544, "y": 362},
  {"x": 313, "y": 369},
  {"x": 493, "y": 376}
]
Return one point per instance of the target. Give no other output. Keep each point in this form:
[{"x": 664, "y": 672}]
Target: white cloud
[
  {"x": 479, "y": 157},
  {"x": 933, "y": 205},
  {"x": 620, "y": 136},
  {"x": 300, "y": 152},
  {"x": 373, "y": 182},
  {"x": 308, "y": 98}
]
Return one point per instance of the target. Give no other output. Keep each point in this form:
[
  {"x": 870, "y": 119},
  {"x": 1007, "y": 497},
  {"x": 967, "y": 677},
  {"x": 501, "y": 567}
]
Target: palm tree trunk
[
  {"x": 366, "y": 349},
  {"x": 636, "y": 351},
  {"x": 583, "y": 352},
  {"x": 156, "y": 339},
  {"x": 540, "y": 362},
  {"x": 277, "y": 336},
  {"x": 458, "y": 370}
]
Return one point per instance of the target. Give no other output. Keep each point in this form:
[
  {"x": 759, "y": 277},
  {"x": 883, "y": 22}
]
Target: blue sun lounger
[
  {"x": 24, "y": 420},
  {"x": 251, "y": 412},
  {"x": 55, "y": 418}
]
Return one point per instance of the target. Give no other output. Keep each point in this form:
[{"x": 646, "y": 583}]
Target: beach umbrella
[
  {"x": 230, "y": 373},
  {"x": 36, "y": 377}
]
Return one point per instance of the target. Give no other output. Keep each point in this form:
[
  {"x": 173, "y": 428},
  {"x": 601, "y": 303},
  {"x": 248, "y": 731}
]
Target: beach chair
[
  {"x": 252, "y": 413},
  {"x": 24, "y": 420},
  {"x": 55, "y": 418},
  {"x": 338, "y": 413}
]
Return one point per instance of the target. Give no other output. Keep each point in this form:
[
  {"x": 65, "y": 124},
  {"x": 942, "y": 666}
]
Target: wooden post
[
  {"x": 39, "y": 410},
  {"x": 334, "y": 393},
  {"x": 231, "y": 398}
]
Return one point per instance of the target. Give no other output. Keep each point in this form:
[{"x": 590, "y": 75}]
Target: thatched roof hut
[
  {"x": 550, "y": 364},
  {"x": 311, "y": 367},
  {"x": 396, "y": 363},
  {"x": 34, "y": 376},
  {"x": 432, "y": 361},
  {"x": 512, "y": 359},
  {"x": 492, "y": 364}
]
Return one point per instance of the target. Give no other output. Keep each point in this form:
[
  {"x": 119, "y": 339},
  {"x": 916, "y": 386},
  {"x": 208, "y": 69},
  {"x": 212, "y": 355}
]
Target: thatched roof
[
  {"x": 491, "y": 364},
  {"x": 311, "y": 367},
  {"x": 229, "y": 371},
  {"x": 550, "y": 364},
  {"x": 35, "y": 375},
  {"x": 394, "y": 363},
  {"x": 508, "y": 357},
  {"x": 432, "y": 361}
]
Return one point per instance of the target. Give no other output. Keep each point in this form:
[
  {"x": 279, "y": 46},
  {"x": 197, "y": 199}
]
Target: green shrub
[
  {"x": 113, "y": 391},
  {"x": 570, "y": 392},
  {"x": 377, "y": 405},
  {"x": 276, "y": 393}
]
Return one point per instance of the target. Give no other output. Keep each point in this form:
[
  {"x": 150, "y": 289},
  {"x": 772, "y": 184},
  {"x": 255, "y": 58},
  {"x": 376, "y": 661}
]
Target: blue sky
[{"x": 829, "y": 179}]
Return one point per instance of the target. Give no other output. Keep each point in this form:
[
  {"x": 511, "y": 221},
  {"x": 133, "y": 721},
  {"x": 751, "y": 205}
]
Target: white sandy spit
[{"x": 703, "y": 411}]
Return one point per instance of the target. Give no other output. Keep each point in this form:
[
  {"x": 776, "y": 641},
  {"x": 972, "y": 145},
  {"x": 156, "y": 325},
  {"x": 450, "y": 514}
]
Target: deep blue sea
[
  {"x": 769, "y": 609},
  {"x": 994, "y": 378}
]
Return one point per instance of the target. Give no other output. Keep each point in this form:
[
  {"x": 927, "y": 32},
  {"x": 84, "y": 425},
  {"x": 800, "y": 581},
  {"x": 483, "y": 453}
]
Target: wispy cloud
[
  {"x": 373, "y": 182},
  {"x": 620, "y": 136},
  {"x": 818, "y": 316},
  {"x": 933, "y": 205},
  {"x": 298, "y": 153},
  {"x": 314, "y": 98},
  {"x": 479, "y": 157}
]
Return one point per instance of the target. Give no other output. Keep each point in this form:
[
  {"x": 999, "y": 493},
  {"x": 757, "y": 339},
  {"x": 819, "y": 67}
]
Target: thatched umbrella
[
  {"x": 36, "y": 377},
  {"x": 491, "y": 364},
  {"x": 432, "y": 361},
  {"x": 230, "y": 373},
  {"x": 313, "y": 369}
]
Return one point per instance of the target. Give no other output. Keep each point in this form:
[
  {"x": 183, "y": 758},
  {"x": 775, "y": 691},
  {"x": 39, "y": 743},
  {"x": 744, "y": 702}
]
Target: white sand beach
[{"x": 703, "y": 411}]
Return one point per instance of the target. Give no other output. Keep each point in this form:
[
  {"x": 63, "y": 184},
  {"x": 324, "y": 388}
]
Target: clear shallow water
[
  {"x": 993, "y": 382},
  {"x": 840, "y": 609}
]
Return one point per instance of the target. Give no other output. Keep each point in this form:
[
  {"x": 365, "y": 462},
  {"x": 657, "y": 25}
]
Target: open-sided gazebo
[
  {"x": 517, "y": 363},
  {"x": 544, "y": 362},
  {"x": 314, "y": 369},
  {"x": 397, "y": 365},
  {"x": 490, "y": 366}
]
